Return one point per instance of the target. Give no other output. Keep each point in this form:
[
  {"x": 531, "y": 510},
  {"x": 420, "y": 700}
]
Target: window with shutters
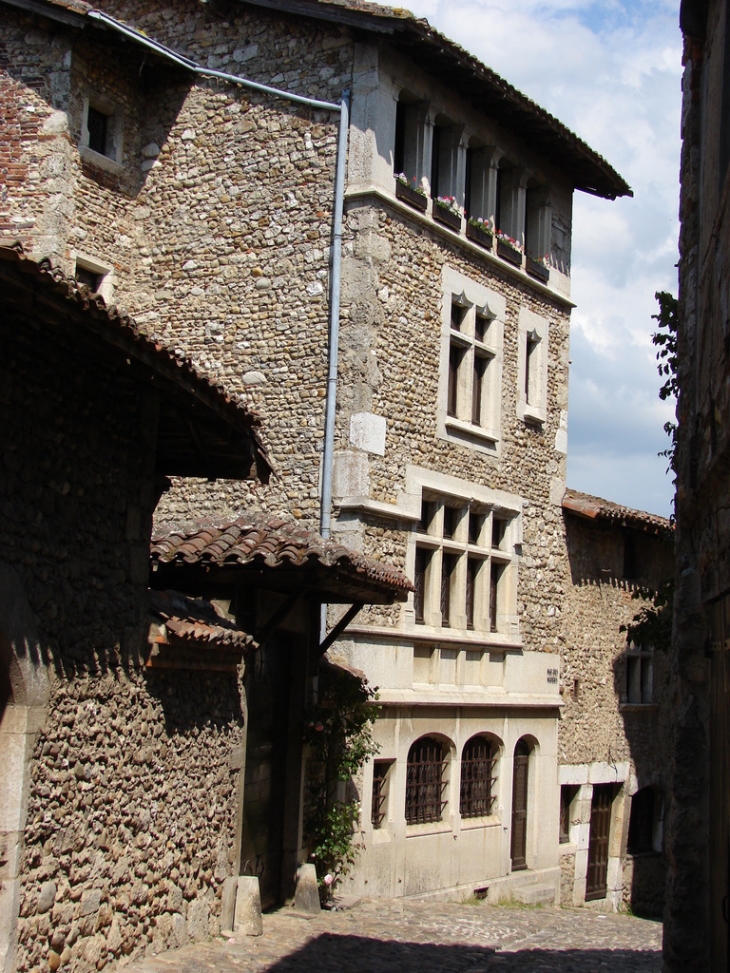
[
  {"x": 470, "y": 398},
  {"x": 463, "y": 565}
]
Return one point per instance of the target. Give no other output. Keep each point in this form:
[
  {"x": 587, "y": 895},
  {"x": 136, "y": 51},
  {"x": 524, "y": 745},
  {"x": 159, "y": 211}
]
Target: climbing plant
[
  {"x": 338, "y": 730},
  {"x": 652, "y": 624},
  {"x": 665, "y": 340}
]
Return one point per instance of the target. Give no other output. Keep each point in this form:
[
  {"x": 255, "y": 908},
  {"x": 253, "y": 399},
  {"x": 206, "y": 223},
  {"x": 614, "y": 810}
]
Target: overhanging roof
[
  {"x": 202, "y": 431},
  {"x": 277, "y": 555},
  {"x": 440, "y": 57},
  {"x": 473, "y": 81}
]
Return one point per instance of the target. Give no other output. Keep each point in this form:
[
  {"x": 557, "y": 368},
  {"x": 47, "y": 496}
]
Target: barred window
[
  {"x": 425, "y": 781},
  {"x": 380, "y": 791},
  {"x": 478, "y": 762}
]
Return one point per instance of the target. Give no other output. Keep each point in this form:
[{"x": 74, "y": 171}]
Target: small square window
[
  {"x": 101, "y": 133},
  {"x": 99, "y": 124}
]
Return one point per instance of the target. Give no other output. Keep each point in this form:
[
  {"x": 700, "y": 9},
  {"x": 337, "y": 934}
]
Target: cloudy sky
[{"x": 611, "y": 71}]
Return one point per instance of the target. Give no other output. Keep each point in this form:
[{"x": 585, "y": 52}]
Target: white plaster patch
[
  {"x": 351, "y": 475},
  {"x": 367, "y": 431}
]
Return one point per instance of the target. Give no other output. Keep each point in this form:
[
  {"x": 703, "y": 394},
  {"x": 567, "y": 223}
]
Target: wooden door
[
  {"x": 267, "y": 699},
  {"x": 519, "y": 806},
  {"x": 596, "y": 877}
]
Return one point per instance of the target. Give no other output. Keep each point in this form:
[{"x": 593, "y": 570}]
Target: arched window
[
  {"x": 425, "y": 781},
  {"x": 478, "y": 761}
]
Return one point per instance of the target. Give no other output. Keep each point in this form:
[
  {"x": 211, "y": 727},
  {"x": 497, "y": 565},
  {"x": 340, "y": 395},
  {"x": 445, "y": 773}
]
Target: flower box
[
  {"x": 537, "y": 270},
  {"x": 411, "y": 196},
  {"x": 447, "y": 216},
  {"x": 483, "y": 237},
  {"x": 509, "y": 253}
]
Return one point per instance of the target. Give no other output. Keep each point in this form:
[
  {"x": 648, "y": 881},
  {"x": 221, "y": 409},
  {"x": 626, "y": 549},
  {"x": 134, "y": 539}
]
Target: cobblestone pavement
[{"x": 393, "y": 936}]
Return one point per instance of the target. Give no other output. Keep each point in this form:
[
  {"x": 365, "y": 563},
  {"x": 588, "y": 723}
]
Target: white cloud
[{"x": 611, "y": 71}]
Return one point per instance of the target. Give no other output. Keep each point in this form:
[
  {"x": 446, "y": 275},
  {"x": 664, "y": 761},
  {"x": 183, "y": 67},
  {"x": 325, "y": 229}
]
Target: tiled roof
[
  {"x": 594, "y": 508},
  {"x": 42, "y": 296},
  {"x": 275, "y": 544},
  {"x": 195, "y": 621}
]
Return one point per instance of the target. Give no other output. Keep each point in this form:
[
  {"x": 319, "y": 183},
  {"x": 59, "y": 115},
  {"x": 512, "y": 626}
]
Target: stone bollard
[
  {"x": 228, "y": 905},
  {"x": 306, "y": 897},
  {"x": 248, "y": 907}
]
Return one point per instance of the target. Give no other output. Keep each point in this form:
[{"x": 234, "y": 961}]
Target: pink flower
[{"x": 328, "y": 879}]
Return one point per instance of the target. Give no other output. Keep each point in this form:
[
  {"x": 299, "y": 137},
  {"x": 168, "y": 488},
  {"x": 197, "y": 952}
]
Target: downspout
[{"x": 334, "y": 339}]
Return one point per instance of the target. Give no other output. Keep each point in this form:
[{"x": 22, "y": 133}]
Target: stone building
[
  {"x": 614, "y": 725},
  {"x": 200, "y": 165},
  {"x": 698, "y": 826}
]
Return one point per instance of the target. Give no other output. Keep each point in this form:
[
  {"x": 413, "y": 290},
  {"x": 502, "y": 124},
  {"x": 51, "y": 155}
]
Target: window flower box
[
  {"x": 447, "y": 216},
  {"x": 479, "y": 235},
  {"x": 412, "y": 197},
  {"x": 537, "y": 270},
  {"x": 509, "y": 253}
]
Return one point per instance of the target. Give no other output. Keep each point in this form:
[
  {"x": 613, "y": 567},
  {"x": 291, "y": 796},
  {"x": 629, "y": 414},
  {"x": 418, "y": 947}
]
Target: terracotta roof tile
[
  {"x": 272, "y": 543},
  {"x": 194, "y": 620},
  {"x": 595, "y": 508}
]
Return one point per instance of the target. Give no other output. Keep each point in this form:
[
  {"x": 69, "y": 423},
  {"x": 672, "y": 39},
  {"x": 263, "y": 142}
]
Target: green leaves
[{"x": 338, "y": 730}]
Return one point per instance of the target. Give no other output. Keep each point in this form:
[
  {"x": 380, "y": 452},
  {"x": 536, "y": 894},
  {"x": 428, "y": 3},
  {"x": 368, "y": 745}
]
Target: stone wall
[
  {"x": 131, "y": 817},
  {"x": 695, "y": 930},
  {"x": 130, "y": 785}
]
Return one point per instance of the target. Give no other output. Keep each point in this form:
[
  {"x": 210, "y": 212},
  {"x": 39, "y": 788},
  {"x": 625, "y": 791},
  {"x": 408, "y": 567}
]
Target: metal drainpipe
[
  {"x": 334, "y": 337},
  {"x": 339, "y": 203}
]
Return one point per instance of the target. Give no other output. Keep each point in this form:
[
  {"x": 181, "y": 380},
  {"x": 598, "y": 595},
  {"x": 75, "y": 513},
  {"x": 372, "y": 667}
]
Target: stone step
[{"x": 535, "y": 894}]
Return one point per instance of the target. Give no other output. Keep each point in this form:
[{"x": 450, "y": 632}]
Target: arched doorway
[{"x": 520, "y": 770}]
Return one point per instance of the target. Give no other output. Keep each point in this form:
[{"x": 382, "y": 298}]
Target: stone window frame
[
  {"x": 435, "y": 783},
  {"x": 478, "y": 303},
  {"x": 111, "y": 158},
  {"x": 476, "y": 508},
  {"x": 532, "y": 367},
  {"x": 497, "y": 752},
  {"x": 103, "y": 271}
]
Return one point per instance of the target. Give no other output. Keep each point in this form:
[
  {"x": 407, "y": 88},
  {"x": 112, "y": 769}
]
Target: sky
[{"x": 611, "y": 71}]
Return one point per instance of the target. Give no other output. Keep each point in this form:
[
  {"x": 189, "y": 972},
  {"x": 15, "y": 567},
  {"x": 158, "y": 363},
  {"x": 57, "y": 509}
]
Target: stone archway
[{"x": 24, "y": 688}]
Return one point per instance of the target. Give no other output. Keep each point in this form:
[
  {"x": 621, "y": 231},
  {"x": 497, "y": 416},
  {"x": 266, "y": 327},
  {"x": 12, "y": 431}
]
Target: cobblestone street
[{"x": 415, "y": 937}]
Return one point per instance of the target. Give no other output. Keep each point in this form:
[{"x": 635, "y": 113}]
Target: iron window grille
[
  {"x": 425, "y": 782},
  {"x": 478, "y": 761},
  {"x": 380, "y": 792}
]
